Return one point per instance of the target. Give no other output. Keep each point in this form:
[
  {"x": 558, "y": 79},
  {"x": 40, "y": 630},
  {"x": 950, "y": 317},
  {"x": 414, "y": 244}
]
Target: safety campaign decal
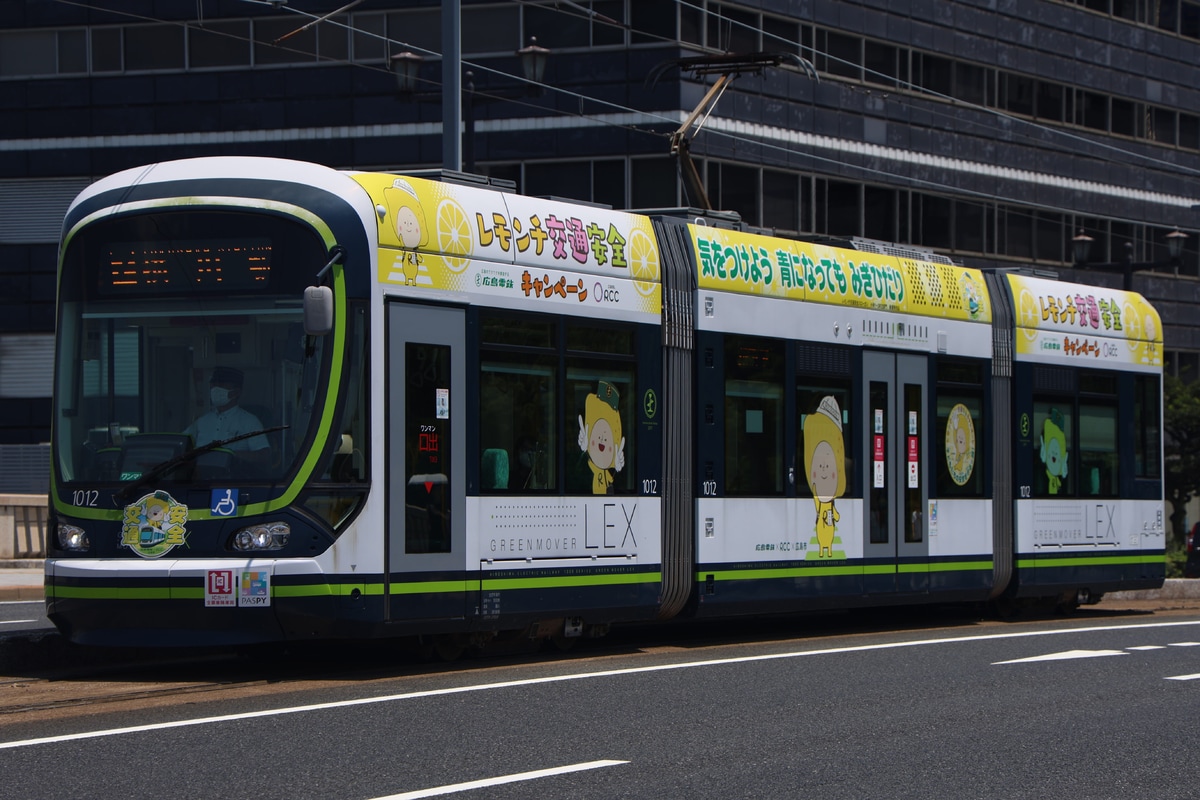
[
  {"x": 154, "y": 525},
  {"x": 1066, "y": 323},
  {"x": 459, "y": 238},
  {"x": 747, "y": 263}
]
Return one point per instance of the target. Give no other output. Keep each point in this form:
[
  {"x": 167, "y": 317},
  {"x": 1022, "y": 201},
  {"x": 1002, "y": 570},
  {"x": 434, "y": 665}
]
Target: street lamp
[
  {"x": 1081, "y": 245},
  {"x": 405, "y": 67},
  {"x": 533, "y": 61},
  {"x": 533, "y": 57}
]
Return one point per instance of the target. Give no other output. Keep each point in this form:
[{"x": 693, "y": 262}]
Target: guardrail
[{"x": 23, "y": 525}]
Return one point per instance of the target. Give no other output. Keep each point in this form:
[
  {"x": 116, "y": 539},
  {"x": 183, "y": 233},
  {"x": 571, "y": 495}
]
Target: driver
[{"x": 227, "y": 419}]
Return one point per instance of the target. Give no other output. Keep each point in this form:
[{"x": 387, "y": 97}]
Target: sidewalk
[{"x": 21, "y": 579}]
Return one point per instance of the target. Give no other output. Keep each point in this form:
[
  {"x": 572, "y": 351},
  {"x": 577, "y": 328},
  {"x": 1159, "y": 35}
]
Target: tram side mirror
[{"x": 318, "y": 310}]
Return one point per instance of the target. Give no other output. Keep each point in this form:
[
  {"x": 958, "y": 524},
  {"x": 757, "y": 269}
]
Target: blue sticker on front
[{"x": 224, "y": 502}]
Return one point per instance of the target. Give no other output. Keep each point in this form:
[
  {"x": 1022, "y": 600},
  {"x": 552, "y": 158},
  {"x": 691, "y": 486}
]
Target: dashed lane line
[{"x": 455, "y": 788}]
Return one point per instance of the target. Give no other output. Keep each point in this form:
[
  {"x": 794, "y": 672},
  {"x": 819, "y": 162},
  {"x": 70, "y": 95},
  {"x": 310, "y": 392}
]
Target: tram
[{"x": 295, "y": 403}]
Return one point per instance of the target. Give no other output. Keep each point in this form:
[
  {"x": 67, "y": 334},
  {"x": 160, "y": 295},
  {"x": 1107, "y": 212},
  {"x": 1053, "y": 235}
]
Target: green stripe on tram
[
  {"x": 430, "y": 587},
  {"x": 571, "y": 581},
  {"x": 777, "y": 573},
  {"x": 1049, "y": 562},
  {"x": 60, "y": 592},
  {"x": 377, "y": 588}
]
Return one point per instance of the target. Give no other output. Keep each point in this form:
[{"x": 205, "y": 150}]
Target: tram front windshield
[{"x": 181, "y": 330}]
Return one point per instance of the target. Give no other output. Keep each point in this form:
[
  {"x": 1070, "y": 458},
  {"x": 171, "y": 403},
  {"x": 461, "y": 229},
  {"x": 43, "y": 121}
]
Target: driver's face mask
[{"x": 219, "y": 396}]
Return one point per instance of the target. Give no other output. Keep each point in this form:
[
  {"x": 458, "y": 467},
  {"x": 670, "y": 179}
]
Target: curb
[
  {"x": 15, "y": 593},
  {"x": 1172, "y": 589}
]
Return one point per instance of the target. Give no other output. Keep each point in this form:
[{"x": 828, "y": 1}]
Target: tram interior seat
[{"x": 494, "y": 472}]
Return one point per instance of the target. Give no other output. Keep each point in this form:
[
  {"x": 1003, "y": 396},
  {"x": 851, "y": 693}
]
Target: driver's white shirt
[{"x": 217, "y": 425}]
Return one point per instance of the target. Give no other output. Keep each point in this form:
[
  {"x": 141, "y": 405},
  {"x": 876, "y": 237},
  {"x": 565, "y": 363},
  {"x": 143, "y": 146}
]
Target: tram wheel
[
  {"x": 448, "y": 648},
  {"x": 563, "y": 644}
]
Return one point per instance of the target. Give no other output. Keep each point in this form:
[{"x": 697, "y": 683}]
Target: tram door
[
  {"x": 895, "y": 493},
  {"x": 426, "y": 411}
]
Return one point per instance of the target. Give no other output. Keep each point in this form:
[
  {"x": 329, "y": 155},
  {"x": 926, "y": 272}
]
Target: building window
[
  {"x": 154, "y": 47},
  {"x": 655, "y": 183},
  {"x": 935, "y": 221},
  {"x": 733, "y": 31},
  {"x": 28, "y": 53},
  {"x": 781, "y": 200},
  {"x": 843, "y": 209},
  {"x": 299, "y": 47},
  {"x": 969, "y": 226},
  {"x": 879, "y": 213},
  {"x": 839, "y": 55},
  {"x": 883, "y": 64},
  {"x": 219, "y": 44}
]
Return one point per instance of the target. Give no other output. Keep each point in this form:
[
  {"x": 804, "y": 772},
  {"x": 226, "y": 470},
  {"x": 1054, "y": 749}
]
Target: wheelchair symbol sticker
[{"x": 224, "y": 502}]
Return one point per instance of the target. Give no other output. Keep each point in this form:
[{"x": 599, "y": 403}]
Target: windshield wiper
[{"x": 158, "y": 470}]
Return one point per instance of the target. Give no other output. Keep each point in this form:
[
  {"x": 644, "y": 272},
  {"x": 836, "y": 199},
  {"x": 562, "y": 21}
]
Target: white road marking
[
  {"x": 1184, "y": 677},
  {"x": 15, "y": 621},
  {"x": 1148, "y": 647},
  {"x": 1064, "y": 656},
  {"x": 1184, "y": 644},
  {"x": 610, "y": 673},
  {"x": 486, "y": 782}
]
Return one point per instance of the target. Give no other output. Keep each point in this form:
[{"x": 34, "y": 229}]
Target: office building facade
[{"x": 990, "y": 132}]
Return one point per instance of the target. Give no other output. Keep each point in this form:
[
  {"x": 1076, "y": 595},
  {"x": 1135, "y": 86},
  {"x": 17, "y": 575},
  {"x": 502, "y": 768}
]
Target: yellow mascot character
[
  {"x": 600, "y": 437},
  {"x": 824, "y": 455}
]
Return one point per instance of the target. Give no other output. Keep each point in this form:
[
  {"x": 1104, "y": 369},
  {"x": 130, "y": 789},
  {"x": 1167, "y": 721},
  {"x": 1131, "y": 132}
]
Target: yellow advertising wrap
[
  {"x": 465, "y": 239},
  {"x": 1073, "y": 324},
  {"x": 733, "y": 261}
]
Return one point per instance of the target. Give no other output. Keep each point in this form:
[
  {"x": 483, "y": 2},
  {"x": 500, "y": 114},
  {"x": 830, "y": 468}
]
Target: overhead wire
[{"x": 656, "y": 119}]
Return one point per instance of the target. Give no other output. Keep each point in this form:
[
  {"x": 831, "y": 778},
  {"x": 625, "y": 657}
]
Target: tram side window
[
  {"x": 349, "y": 463},
  {"x": 824, "y": 437},
  {"x": 1054, "y": 430},
  {"x": 1147, "y": 427},
  {"x": 518, "y": 402},
  {"x": 428, "y": 388},
  {"x": 754, "y": 416},
  {"x": 959, "y": 431},
  {"x": 1098, "y": 450},
  {"x": 601, "y": 411},
  {"x": 550, "y": 389}
]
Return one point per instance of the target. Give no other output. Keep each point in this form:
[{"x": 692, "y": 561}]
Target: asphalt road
[
  {"x": 23, "y": 615},
  {"x": 1098, "y": 706}
]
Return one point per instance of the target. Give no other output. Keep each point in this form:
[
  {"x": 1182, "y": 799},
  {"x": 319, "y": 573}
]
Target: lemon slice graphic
[
  {"x": 1027, "y": 314},
  {"x": 643, "y": 263},
  {"x": 1134, "y": 333},
  {"x": 454, "y": 235}
]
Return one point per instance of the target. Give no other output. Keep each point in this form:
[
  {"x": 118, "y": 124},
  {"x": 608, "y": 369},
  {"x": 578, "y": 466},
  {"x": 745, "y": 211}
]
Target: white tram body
[{"x": 537, "y": 416}]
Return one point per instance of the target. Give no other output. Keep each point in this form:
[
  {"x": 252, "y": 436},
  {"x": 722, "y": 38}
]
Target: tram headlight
[
  {"x": 73, "y": 538},
  {"x": 266, "y": 536}
]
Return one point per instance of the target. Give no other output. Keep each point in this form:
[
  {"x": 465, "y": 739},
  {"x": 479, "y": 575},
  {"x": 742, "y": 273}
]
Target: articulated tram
[{"x": 296, "y": 403}]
